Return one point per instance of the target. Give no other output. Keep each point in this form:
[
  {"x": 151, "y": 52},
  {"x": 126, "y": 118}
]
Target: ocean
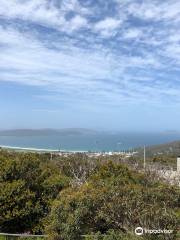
[{"x": 90, "y": 142}]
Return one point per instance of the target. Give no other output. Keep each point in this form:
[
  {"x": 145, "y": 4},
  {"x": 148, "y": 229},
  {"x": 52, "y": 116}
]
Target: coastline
[
  {"x": 67, "y": 152},
  {"x": 43, "y": 150}
]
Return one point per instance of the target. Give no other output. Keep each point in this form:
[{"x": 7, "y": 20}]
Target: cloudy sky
[{"x": 111, "y": 64}]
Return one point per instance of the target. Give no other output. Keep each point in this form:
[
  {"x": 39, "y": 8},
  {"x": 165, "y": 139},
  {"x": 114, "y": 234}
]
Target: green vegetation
[
  {"x": 114, "y": 198},
  {"x": 76, "y": 197},
  {"x": 162, "y": 154},
  {"x": 28, "y": 185}
]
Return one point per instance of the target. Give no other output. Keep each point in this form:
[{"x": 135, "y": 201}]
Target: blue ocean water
[{"x": 90, "y": 142}]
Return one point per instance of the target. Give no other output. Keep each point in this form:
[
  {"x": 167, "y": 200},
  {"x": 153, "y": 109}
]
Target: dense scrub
[
  {"x": 76, "y": 197},
  {"x": 114, "y": 198},
  {"x": 28, "y": 185}
]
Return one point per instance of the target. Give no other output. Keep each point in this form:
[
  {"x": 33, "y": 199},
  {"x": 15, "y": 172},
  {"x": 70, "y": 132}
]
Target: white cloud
[
  {"x": 77, "y": 22},
  {"x": 155, "y": 10},
  {"x": 74, "y": 71},
  {"x": 35, "y": 10},
  {"x": 82, "y": 66},
  {"x": 174, "y": 37},
  {"x": 108, "y": 23},
  {"x": 44, "y": 12},
  {"x": 28, "y": 57},
  {"x": 74, "y": 5},
  {"x": 108, "y": 26},
  {"x": 132, "y": 33}
]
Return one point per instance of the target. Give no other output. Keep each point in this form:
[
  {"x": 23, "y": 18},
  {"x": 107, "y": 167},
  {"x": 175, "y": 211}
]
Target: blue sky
[{"x": 111, "y": 64}]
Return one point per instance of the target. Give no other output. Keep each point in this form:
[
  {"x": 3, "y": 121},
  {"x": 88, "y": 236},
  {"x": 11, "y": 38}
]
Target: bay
[{"x": 90, "y": 142}]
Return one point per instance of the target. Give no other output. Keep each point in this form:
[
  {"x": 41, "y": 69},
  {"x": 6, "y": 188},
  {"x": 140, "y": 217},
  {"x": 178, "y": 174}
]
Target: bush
[
  {"x": 28, "y": 185},
  {"x": 114, "y": 198}
]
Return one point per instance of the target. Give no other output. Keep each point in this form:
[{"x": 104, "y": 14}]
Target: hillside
[
  {"x": 171, "y": 148},
  {"x": 45, "y": 132}
]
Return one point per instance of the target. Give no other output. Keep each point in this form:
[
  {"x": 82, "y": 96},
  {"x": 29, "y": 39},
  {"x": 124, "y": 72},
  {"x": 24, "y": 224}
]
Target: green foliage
[
  {"x": 113, "y": 198},
  {"x": 75, "y": 196},
  {"x": 165, "y": 160},
  {"x": 28, "y": 185}
]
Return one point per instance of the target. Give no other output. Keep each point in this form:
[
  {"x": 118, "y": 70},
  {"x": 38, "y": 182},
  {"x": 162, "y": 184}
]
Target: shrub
[
  {"x": 114, "y": 198},
  {"x": 28, "y": 185}
]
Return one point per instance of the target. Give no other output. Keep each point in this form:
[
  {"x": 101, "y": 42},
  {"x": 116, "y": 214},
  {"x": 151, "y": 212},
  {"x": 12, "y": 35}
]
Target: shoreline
[
  {"x": 66, "y": 152},
  {"x": 46, "y": 150}
]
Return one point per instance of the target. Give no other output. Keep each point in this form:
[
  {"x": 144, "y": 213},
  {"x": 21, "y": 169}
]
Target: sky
[{"x": 110, "y": 65}]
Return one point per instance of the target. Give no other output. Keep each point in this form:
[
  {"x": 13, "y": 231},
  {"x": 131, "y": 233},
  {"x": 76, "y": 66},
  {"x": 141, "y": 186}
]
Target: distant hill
[
  {"x": 162, "y": 149},
  {"x": 46, "y": 132}
]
